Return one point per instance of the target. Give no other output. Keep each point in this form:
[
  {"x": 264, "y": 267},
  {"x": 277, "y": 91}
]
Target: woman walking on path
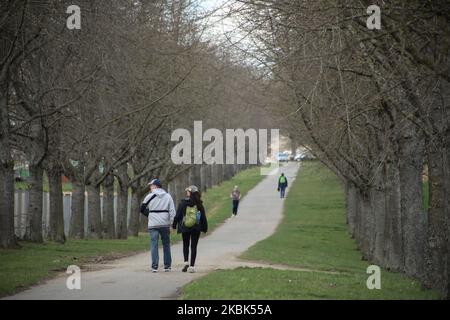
[
  {"x": 191, "y": 221},
  {"x": 235, "y": 197}
]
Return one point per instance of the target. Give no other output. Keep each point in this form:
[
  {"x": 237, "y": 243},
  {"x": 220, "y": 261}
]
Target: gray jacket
[{"x": 162, "y": 201}]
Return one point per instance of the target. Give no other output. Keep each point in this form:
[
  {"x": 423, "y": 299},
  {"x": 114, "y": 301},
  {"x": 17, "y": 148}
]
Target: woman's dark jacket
[{"x": 181, "y": 212}]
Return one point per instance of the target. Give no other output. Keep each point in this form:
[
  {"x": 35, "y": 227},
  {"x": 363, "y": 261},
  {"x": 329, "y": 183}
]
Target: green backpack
[
  {"x": 282, "y": 179},
  {"x": 191, "y": 217}
]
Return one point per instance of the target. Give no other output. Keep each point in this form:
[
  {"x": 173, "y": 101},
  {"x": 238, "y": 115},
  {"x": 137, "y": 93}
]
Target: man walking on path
[
  {"x": 282, "y": 185},
  {"x": 161, "y": 212},
  {"x": 235, "y": 197}
]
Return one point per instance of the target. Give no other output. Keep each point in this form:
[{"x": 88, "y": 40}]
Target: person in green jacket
[{"x": 282, "y": 185}]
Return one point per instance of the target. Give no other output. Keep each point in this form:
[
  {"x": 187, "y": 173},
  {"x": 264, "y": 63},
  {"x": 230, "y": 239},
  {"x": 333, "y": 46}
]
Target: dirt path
[{"x": 130, "y": 278}]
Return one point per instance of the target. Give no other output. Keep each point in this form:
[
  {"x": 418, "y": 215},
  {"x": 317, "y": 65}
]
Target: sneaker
[
  {"x": 167, "y": 269},
  {"x": 185, "y": 268},
  {"x": 191, "y": 269},
  {"x": 154, "y": 270}
]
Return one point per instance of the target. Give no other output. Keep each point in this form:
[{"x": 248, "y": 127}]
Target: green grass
[
  {"x": 23, "y": 267},
  {"x": 312, "y": 235},
  {"x": 20, "y": 268}
]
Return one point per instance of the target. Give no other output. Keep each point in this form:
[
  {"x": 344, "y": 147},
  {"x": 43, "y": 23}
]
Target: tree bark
[
  {"x": 122, "y": 205},
  {"x": 35, "y": 232},
  {"x": 7, "y": 236},
  {"x": 172, "y": 190},
  {"x": 56, "y": 216},
  {"x": 133, "y": 227},
  {"x": 195, "y": 176},
  {"x": 205, "y": 178},
  {"x": 411, "y": 201},
  {"x": 94, "y": 229},
  {"x": 351, "y": 207},
  {"x": 393, "y": 245},
  {"x": 378, "y": 206},
  {"x": 437, "y": 222},
  {"x": 438, "y": 232},
  {"x": 109, "y": 230},
  {"x": 77, "y": 217},
  {"x": 366, "y": 228}
]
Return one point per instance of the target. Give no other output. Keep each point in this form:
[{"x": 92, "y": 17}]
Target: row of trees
[
  {"x": 98, "y": 105},
  {"x": 373, "y": 105}
]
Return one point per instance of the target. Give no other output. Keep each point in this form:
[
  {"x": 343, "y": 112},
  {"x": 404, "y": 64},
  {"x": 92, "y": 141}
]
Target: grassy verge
[
  {"x": 34, "y": 262},
  {"x": 313, "y": 235}
]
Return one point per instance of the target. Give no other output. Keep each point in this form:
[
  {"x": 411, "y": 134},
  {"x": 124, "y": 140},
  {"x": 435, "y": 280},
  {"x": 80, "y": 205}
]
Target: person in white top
[
  {"x": 159, "y": 207},
  {"x": 235, "y": 197}
]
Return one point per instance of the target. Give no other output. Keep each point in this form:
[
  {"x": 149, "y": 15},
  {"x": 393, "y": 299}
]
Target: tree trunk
[
  {"x": 411, "y": 201},
  {"x": 447, "y": 188},
  {"x": 438, "y": 232},
  {"x": 178, "y": 188},
  {"x": 351, "y": 207},
  {"x": 56, "y": 216},
  {"x": 122, "y": 205},
  {"x": 366, "y": 225},
  {"x": 7, "y": 237},
  {"x": 34, "y": 232},
  {"x": 393, "y": 245},
  {"x": 204, "y": 177},
  {"x": 378, "y": 206},
  {"x": 77, "y": 217},
  {"x": 94, "y": 229},
  {"x": 172, "y": 190},
  {"x": 133, "y": 227},
  {"x": 109, "y": 230},
  {"x": 437, "y": 222},
  {"x": 195, "y": 176}
]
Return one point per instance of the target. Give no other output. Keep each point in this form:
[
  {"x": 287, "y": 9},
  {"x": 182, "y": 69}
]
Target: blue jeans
[
  {"x": 282, "y": 191},
  {"x": 165, "y": 238}
]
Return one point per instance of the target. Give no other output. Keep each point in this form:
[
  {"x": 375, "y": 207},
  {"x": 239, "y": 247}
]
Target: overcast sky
[{"x": 218, "y": 24}]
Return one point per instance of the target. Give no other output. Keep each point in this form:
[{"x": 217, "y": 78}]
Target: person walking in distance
[
  {"x": 158, "y": 206},
  {"x": 282, "y": 185},
  {"x": 191, "y": 221},
  {"x": 235, "y": 197}
]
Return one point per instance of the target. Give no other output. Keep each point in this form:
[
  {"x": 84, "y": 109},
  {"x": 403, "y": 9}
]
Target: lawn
[
  {"x": 312, "y": 235},
  {"x": 23, "y": 267}
]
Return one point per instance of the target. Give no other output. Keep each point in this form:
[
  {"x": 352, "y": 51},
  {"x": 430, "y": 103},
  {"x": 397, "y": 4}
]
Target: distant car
[
  {"x": 309, "y": 156},
  {"x": 283, "y": 157},
  {"x": 299, "y": 157}
]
